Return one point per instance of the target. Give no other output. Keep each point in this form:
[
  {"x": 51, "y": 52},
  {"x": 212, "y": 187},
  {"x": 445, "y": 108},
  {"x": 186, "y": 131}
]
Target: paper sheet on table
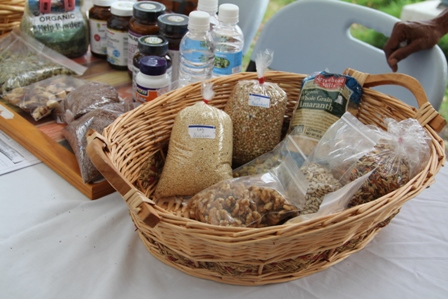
[{"x": 13, "y": 156}]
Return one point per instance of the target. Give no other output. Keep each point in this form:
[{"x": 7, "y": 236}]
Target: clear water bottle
[
  {"x": 196, "y": 50},
  {"x": 229, "y": 41},
  {"x": 210, "y": 7}
]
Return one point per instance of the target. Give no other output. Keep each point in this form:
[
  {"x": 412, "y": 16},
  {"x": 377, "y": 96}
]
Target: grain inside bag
[{"x": 200, "y": 150}]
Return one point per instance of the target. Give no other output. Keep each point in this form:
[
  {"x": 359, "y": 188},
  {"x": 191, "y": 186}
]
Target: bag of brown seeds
[{"x": 257, "y": 109}]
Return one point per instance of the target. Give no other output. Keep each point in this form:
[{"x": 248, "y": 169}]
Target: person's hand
[{"x": 409, "y": 37}]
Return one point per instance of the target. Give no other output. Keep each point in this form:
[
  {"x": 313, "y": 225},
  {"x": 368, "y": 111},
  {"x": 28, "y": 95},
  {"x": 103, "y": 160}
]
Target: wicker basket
[
  {"x": 11, "y": 12},
  {"x": 251, "y": 256}
]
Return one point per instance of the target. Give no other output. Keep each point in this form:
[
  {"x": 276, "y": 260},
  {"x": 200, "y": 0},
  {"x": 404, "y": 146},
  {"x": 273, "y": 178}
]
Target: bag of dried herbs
[
  {"x": 257, "y": 109},
  {"x": 60, "y": 25},
  {"x": 24, "y": 61}
]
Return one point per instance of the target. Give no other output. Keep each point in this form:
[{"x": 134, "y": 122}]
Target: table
[{"x": 57, "y": 243}]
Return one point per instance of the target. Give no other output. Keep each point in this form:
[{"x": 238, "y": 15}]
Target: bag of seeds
[
  {"x": 75, "y": 134},
  {"x": 199, "y": 151},
  {"x": 257, "y": 109},
  {"x": 260, "y": 200},
  {"x": 401, "y": 153},
  {"x": 60, "y": 25},
  {"x": 87, "y": 98},
  {"x": 324, "y": 98},
  {"x": 24, "y": 61},
  {"x": 40, "y": 98},
  {"x": 288, "y": 147}
]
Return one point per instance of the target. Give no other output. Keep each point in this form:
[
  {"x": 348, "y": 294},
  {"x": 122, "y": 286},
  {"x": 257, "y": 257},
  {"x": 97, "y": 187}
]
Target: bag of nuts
[
  {"x": 252, "y": 201},
  {"x": 199, "y": 151},
  {"x": 257, "y": 109},
  {"x": 41, "y": 98}
]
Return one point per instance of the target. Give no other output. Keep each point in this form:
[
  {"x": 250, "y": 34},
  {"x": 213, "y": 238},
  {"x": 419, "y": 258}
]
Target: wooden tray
[{"x": 44, "y": 139}]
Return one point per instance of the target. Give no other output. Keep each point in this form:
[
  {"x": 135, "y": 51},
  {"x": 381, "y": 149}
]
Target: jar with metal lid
[
  {"x": 117, "y": 34},
  {"x": 98, "y": 16},
  {"x": 152, "y": 79},
  {"x": 143, "y": 22},
  {"x": 151, "y": 45},
  {"x": 173, "y": 27}
]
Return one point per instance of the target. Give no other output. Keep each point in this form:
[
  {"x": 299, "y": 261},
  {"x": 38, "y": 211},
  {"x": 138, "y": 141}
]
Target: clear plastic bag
[
  {"x": 252, "y": 201},
  {"x": 41, "y": 98},
  {"x": 24, "y": 61},
  {"x": 257, "y": 109},
  {"x": 89, "y": 97},
  {"x": 75, "y": 134},
  {"x": 200, "y": 149},
  {"x": 287, "y": 147},
  {"x": 396, "y": 158}
]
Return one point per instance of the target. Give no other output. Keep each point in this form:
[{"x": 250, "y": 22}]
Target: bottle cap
[
  {"x": 173, "y": 24},
  {"x": 199, "y": 20},
  {"x": 122, "y": 8},
  {"x": 208, "y": 5},
  {"x": 103, "y": 3},
  {"x": 153, "y": 65},
  {"x": 148, "y": 10},
  {"x": 228, "y": 13},
  {"x": 152, "y": 45}
]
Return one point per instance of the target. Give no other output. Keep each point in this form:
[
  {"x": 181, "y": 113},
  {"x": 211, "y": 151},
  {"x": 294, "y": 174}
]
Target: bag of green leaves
[{"x": 60, "y": 25}]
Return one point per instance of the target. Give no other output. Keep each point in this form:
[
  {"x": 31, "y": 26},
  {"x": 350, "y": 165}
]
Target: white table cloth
[{"x": 56, "y": 243}]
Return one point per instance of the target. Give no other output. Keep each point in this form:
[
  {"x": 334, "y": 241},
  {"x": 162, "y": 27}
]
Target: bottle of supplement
[
  {"x": 143, "y": 22},
  {"x": 196, "y": 50},
  {"x": 98, "y": 16},
  {"x": 117, "y": 34},
  {"x": 150, "y": 45},
  {"x": 173, "y": 27},
  {"x": 229, "y": 42},
  {"x": 184, "y": 7},
  {"x": 152, "y": 79},
  {"x": 210, "y": 7}
]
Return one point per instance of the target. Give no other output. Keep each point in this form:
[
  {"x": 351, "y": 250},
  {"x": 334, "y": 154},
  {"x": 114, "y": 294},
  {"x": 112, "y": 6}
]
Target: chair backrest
[
  {"x": 251, "y": 16},
  {"x": 314, "y": 35}
]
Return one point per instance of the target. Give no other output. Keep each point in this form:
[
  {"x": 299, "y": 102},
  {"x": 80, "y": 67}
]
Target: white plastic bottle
[
  {"x": 210, "y": 7},
  {"x": 152, "y": 79},
  {"x": 229, "y": 42},
  {"x": 196, "y": 50}
]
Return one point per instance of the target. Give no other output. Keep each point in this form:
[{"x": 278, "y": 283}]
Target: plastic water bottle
[
  {"x": 210, "y": 7},
  {"x": 196, "y": 50},
  {"x": 229, "y": 42}
]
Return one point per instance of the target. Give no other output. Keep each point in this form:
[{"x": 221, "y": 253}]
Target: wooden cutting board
[{"x": 44, "y": 138}]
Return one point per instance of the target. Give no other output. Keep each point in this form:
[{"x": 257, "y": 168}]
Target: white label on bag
[
  {"x": 5, "y": 113},
  {"x": 201, "y": 131},
  {"x": 259, "y": 100}
]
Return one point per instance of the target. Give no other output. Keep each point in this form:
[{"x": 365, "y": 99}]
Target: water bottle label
[
  {"x": 228, "y": 63},
  {"x": 195, "y": 53},
  {"x": 201, "y": 131},
  {"x": 259, "y": 100}
]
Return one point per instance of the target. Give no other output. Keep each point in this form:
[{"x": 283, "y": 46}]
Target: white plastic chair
[
  {"x": 314, "y": 35},
  {"x": 251, "y": 16}
]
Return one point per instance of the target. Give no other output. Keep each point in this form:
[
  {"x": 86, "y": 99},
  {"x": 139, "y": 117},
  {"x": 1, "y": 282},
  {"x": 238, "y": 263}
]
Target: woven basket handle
[
  {"x": 136, "y": 201},
  {"x": 426, "y": 113}
]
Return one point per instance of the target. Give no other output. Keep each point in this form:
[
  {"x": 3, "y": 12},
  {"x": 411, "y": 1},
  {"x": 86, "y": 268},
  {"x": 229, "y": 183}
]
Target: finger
[
  {"x": 404, "y": 52},
  {"x": 393, "y": 64}
]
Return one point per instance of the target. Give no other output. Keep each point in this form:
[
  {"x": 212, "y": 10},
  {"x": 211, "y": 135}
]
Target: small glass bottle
[
  {"x": 143, "y": 22},
  {"x": 228, "y": 40},
  {"x": 196, "y": 50},
  {"x": 98, "y": 16},
  {"x": 180, "y": 6},
  {"x": 150, "y": 45},
  {"x": 210, "y": 7},
  {"x": 173, "y": 27},
  {"x": 117, "y": 34},
  {"x": 152, "y": 79}
]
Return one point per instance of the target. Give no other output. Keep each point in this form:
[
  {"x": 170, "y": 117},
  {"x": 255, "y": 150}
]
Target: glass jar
[{"x": 98, "y": 16}]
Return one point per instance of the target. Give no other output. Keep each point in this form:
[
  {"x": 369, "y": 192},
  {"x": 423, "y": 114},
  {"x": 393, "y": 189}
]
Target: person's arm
[{"x": 412, "y": 36}]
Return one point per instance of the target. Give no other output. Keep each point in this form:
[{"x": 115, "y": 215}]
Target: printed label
[
  {"x": 259, "y": 100},
  {"x": 202, "y": 131},
  {"x": 132, "y": 47},
  {"x": 228, "y": 63},
  {"x": 98, "y": 36},
  {"x": 117, "y": 47},
  {"x": 331, "y": 82},
  {"x": 144, "y": 94},
  {"x": 174, "y": 54}
]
